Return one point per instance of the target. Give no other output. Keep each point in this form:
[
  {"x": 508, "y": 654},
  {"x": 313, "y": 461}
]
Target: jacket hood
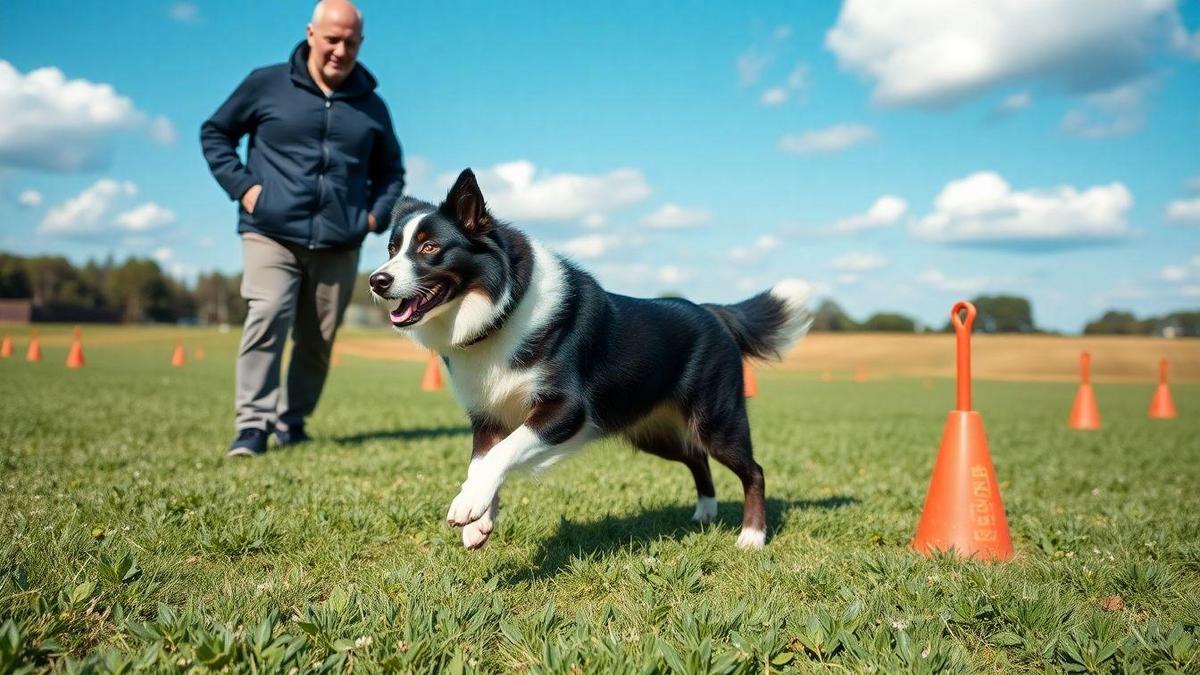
[{"x": 360, "y": 81}]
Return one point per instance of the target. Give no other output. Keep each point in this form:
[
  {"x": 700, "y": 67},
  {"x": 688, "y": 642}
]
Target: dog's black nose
[{"x": 380, "y": 281}]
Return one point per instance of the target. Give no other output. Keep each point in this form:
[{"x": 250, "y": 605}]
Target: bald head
[
  {"x": 336, "y": 10},
  {"x": 334, "y": 37}
]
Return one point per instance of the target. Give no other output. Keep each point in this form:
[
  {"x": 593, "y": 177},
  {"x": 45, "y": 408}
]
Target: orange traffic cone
[
  {"x": 179, "y": 357},
  {"x": 433, "y": 375},
  {"x": 963, "y": 510},
  {"x": 6, "y": 347},
  {"x": 749, "y": 382},
  {"x": 199, "y": 354},
  {"x": 860, "y": 373},
  {"x": 35, "y": 348},
  {"x": 1162, "y": 406},
  {"x": 75, "y": 357},
  {"x": 1085, "y": 414}
]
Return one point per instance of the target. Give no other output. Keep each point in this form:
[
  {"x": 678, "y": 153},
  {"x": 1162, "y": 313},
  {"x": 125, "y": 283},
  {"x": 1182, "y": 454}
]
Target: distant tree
[
  {"x": 142, "y": 291},
  {"x": 830, "y": 317},
  {"x": 14, "y": 277},
  {"x": 1181, "y": 324},
  {"x": 1115, "y": 322},
  {"x": 1003, "y": 314},
  {"x": 887, "y": 322}
]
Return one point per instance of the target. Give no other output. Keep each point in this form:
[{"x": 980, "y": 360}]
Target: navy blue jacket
[{"x": 324, "y": 162}]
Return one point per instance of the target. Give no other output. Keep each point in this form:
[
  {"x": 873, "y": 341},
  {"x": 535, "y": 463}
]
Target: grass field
[{"x": 128, "y": 541}]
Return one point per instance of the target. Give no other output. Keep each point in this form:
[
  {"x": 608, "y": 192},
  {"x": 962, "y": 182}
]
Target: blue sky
[{"x": 897, "y": 158}]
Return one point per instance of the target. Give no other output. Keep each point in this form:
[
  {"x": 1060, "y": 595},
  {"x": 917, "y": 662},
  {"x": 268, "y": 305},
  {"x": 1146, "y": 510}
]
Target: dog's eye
[
  {"x": 391, "y": 250},
  {"x": 428, "y": 248}
]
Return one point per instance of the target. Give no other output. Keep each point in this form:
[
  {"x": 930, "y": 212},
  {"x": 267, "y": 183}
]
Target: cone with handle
[
  {"x": 75, "y": 356},
  {"x": 749, "y": 382},
  {"x": 432, "y": 381},
  {"x": 1162, "y": 406},
  {"x": 6, "y": 350},
  {"x": 35, "y": 348},
  {"x": 963, "y": 510},
  {"x": 1085, "y": 414},
  {"x": 179, "y": 358}
]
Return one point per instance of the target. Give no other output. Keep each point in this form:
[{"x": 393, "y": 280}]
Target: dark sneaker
[
  {"x": 293, "y": 435},
  {"x": 249, "y": 443}
]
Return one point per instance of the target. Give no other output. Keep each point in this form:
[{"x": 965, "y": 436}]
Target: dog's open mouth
[{"x": 411, "y": 310}]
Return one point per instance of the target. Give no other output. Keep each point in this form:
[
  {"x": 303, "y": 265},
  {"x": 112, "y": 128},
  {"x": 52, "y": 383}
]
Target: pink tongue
[{"x": 404, "y": 312}]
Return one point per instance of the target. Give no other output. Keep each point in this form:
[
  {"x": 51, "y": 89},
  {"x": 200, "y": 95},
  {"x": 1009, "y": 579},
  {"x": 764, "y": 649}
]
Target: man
[{"x": 323, "y": 168}]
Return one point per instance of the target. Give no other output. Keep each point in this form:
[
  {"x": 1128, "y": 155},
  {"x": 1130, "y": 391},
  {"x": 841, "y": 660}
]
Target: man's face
[{"x": 334, "y": 42}]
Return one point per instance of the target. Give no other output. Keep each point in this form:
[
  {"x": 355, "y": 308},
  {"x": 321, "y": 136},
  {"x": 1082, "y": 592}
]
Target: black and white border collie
[{"x": 544, "y": 360}]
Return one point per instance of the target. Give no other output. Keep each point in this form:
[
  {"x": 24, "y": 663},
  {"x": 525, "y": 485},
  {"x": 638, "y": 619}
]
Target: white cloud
[
  {"x": 796, "y": 83},
  {"x": 87, "y": 211},
  {"x": 30, "y": 198},
  {"x": 847, "y": 279},
  {"x": 594, "y": 221},
  {"x": 1183, "y": 42},
  {"x": 858, "y": 261},
  {"x": 1184, "y": 211},
  {"x": 670, "y": 274},
  {"x": 832, "y": 139},
  {"x": 184, "y": 12},
  {"x": 1174, "y": 273},
  {"x": 51, "y": 123},
  {"x": 983, "y": 209},
  {"x": 148, "y": 216},
  {"x": 752, "y": 62},
  {"x": 758, "y": 249},
  {"x": 162, "y": 131},
  {"x": 588, "y": 245},
  {"x": 669, "y": 216},
  {"x": 885, "y": 212},
  {"x": 774, "y": 96},
  {"x": 938, "y": 280},
  {"x": 1015, "y": 102},
  {"x": 944, "y": 51},
  {"x": 163, "y": 254},
  {"x": 1118, "y": 111},
  {"x": 516, "y": 191}
]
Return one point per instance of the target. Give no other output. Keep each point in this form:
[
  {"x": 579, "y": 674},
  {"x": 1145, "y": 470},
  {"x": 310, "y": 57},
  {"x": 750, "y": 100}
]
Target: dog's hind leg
[
  {"x": 676, "y": 449},
  {"x": 728, "y": 441}
]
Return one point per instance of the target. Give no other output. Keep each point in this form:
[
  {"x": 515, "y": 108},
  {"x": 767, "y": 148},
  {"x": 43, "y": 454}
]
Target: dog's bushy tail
[{"x": 765, "y": 325}]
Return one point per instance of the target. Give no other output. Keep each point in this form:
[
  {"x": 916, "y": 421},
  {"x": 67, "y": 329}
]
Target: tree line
[{"x": 137, "y": 290}]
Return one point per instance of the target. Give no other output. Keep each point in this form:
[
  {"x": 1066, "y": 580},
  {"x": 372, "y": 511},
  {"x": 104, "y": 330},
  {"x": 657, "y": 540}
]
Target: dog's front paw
[
  {"x": 475, "y": 534},
  {"x": 751, "y": 539},
  {"x": 706, "y": 510},
  {"x": 471, "y": 503}
]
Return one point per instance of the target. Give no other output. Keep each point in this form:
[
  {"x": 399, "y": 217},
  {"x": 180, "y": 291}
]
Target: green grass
[{"x": 128, "y": 541}]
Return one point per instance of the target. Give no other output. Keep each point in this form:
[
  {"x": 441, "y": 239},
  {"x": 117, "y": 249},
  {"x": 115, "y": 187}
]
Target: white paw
[
  {"x": 706, "y": 510},
  {"x": 471, "y": 503},
  {"x": 475, "y": 534},
  {"x": 751, "y": 539}
]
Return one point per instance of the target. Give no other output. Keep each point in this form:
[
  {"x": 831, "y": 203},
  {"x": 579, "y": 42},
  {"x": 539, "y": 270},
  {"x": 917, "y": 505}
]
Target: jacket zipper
[{"x": 312, "y": 244}]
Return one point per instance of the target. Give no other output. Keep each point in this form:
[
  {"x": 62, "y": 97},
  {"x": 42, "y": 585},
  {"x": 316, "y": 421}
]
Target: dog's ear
[{"x": 464, "y": 203}]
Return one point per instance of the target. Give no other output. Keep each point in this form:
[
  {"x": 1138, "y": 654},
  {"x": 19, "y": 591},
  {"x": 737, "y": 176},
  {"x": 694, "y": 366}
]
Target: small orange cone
[
  {"x": 1162, "y": 406},
  {"x": 963, "y": 510},
  {"x": 1085, "y": 414},
  {"x": 860, "y": 373},
  {"x": 35, "y": 348},
  {"x": 179, "y": 357},
  {"x": 433, "y": 375},
  {"x": 199, "y": 352},
  {"x": 75, "y": 357},
  {"x": 6, "y": 347},
  {"x": 749, "y": 382}
]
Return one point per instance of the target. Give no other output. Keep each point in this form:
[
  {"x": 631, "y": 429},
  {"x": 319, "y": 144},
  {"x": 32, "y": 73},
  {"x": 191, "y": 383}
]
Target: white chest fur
[{"x": 484, "y": 380}]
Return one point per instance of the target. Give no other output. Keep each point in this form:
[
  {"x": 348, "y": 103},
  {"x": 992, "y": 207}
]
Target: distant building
[{"x": 16, "y": 310}]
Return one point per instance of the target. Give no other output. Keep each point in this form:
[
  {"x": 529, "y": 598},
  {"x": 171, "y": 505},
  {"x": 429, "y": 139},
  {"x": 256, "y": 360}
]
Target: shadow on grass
[
  {"x": 417, "y": 434},
  {"x": 602, "y": 537}
]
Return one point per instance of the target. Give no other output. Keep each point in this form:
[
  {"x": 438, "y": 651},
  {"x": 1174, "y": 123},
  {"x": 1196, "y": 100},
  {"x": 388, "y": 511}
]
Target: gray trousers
[{"x": 289, "y": 288}]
